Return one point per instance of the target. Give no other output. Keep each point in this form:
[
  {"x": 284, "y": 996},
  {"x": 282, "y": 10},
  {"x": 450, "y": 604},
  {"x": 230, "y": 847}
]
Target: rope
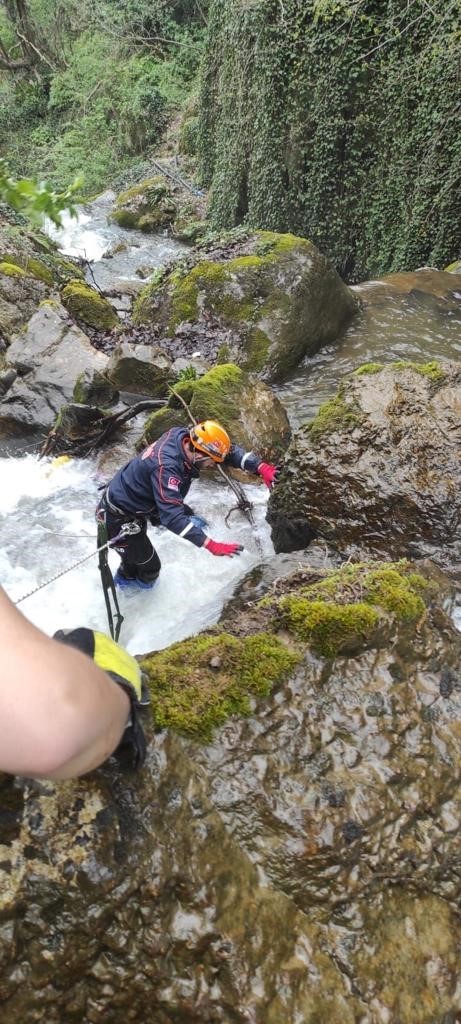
[{"x": 69, "y": 569}]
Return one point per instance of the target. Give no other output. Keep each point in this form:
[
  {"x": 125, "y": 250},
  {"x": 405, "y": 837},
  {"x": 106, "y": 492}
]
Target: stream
[{"x": 46, "y": 509}]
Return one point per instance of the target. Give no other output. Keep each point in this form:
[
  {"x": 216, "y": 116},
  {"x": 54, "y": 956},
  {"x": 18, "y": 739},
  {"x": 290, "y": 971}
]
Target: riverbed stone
[
  {"x": 246, "y": 407},
  {"x": 294, "y": 865},
  {"x": 378, "y": 468},
  {"x": 49, "y": 357},
  {"x": 272, "y": 300},
  {"x": 140, "y": 369},
  {"x": 88, "y": 306}
]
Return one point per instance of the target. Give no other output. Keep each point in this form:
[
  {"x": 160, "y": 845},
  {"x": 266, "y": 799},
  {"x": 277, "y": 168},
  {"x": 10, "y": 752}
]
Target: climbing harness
[
  {"x": 107, "y": 579},
  {"x": 243, "y": 503}
]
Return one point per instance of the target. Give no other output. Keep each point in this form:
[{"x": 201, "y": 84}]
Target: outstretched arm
[{"x": 61, "y": 715}]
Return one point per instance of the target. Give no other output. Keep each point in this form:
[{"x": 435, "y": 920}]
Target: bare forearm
[{"x": 61, "y": 715}]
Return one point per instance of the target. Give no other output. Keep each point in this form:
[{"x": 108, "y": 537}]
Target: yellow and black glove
[{"x": 124, "y": 670}]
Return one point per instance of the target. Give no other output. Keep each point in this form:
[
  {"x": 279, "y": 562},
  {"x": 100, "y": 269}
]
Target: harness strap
[{"x": 108, "y": 585}]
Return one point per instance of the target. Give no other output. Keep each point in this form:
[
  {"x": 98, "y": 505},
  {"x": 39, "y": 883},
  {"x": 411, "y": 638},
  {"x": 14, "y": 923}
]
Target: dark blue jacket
[{"x": 155, "y": 483}]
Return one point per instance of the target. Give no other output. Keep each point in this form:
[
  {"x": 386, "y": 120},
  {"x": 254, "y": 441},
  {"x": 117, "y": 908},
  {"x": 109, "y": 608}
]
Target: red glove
[
  {"x": 217, "y": 548},
  {"x": 269, "y": 473}
]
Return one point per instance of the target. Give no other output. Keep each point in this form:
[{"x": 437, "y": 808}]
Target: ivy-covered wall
[{"x": 342, "y": 126}]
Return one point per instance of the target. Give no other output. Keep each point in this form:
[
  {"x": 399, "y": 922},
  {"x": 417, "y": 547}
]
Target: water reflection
[{"x": 419, "y": 326}]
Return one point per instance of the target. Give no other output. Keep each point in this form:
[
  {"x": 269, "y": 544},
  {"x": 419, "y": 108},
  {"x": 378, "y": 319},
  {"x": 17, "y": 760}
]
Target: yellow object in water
[{"x": 61, "y": 461}]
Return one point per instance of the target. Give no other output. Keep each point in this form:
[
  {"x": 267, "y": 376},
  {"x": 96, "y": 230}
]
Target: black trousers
[{"x": 139, "y": 558}]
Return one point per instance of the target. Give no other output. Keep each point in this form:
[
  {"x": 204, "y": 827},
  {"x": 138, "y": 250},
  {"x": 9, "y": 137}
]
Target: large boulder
[
  {"x": 148, "y": 206},
  {"x": 246, "y": 407},
  {"x": 299, "y": 864},
  {"x": 20, "y": 294},
  {"x": 88, "y": 306},
  {"x": 272, "y": 299},
  {"x": 141, "y": 369},
  {"x": 49, "y": 358},
  {"x": 378, "y": 468}
]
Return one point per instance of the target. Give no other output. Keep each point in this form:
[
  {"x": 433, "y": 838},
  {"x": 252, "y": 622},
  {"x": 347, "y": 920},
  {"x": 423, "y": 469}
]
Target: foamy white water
[{"x": 47, "y": 523}]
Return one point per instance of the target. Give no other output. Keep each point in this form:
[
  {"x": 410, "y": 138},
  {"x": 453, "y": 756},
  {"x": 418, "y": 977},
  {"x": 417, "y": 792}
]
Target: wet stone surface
[{"x": 301, "y": 866}]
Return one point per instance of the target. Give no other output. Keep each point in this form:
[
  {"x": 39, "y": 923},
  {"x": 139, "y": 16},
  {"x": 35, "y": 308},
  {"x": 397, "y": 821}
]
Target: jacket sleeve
[
  {"x": 240, "y": 459},
  {"x": 166, "y": 484}
]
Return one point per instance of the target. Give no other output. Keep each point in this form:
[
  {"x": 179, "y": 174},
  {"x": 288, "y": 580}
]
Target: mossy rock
[
  {"x": 88, "y": 306},
  {"x": 31, "y": 266},
  {"x": 354, "y": 607},
  {"x": 195, "y": 685},
  {"x": 148, "y": 206},
  {"x": 252, "y": 415},
  {"x": 275, "y": 295},
  {"x": 93, "y": 388},
  {"x": 11, "y": 270},
  {"x": 337, "y": 413},
  {"x": 377, "y": 467}
]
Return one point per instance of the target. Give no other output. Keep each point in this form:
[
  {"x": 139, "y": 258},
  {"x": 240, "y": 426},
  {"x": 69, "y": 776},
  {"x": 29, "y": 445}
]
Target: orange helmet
[{"x": 209, "y": 437}]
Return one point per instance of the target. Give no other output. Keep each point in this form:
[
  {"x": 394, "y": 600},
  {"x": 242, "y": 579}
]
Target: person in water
[
  {"x": 153, "y": 485},
  {"x": 65, "y": 706}
]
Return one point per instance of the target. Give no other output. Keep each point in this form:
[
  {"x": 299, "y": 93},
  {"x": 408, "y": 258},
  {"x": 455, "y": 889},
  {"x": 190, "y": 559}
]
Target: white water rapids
[{"x": 47, "y": 523}]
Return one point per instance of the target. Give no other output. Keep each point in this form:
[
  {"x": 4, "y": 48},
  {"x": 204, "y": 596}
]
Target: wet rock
[
  {"x": 142, "y": 369},
  {"x": 49, "y": 358},
  {"x": 301, "y": 865},
  {"x": 276, "y": 297},
  {"x": 377, "y": 470}
]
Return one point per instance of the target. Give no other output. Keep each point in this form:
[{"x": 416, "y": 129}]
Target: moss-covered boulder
[
  {"x": 20, "y": 295},
  {"x": 148, "y": 206},
  {"x": 378, "y": 468},
  {"x": 245, "y": 406},
  {"x": 140, "y": 369},
  {"x": 273, "y": 298},
  {"x": 87, "y": 305}
]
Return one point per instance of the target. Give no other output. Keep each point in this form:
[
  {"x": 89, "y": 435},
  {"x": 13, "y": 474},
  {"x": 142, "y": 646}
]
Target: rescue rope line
[{"x": 69, "y": 569}]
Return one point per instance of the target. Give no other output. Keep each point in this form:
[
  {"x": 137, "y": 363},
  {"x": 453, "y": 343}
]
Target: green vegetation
[
  {"x": 345, "y": 611},
  {"x": 87, "y": 305},
  {"x": 197, "y": 684},
  {"x": 368, "y": 368},
  {"x": 433, "y": 370},
  {"x": 90, "y": 86},
  {"x": 338, "y": 121},
  {"x": 34, "y": 199},
  {"x": 334, "y": 414}
]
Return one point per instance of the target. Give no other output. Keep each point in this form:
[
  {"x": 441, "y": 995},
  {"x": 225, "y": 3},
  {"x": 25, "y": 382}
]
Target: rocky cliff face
[
  {"x": 301, "y": 864},
  {"x": 378, "y": 469}
]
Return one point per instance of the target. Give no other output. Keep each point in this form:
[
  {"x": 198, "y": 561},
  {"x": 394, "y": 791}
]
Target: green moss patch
[
  {"x": 368, "y": 368},
  {"x": 89, "y": 306},
  {"x": 343, "y": 612},
  {"x": 433, "y": 370},
  {"x": 11, "y": 270},
  {"x": 197, "y": 684},
  {"x": 335, "y": 414}
]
